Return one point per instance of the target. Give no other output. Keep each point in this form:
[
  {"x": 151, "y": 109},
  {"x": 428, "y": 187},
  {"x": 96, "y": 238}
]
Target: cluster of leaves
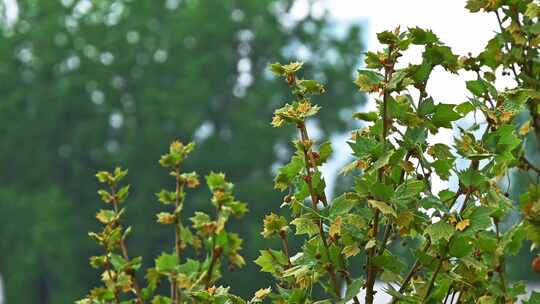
[
  {"x": 455, "y": 235},
  {"x": 190, "y": 280}
]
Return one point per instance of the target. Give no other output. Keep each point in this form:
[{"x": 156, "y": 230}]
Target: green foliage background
[{"x": 86, "y": 85}]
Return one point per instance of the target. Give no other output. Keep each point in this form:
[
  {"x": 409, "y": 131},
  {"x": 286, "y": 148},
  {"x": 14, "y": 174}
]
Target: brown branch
[
  {"x": 501, "y": 267},
  {"x": 314, "y": 200},
  {"x": 512, "y": 67},
  {"x": 123, "y": 249},
  {"x": 388, "y": 229},
  {"x": 529, "y": 165},
  {"x": 417, "y": 266},
  {"x": 432, "y": 282},
  {"x": 311, "y": 164},
  {"x": 216, "y": 254},
  {"x": 436, "y": 273},
  {"x": 285, "y": 247},
  {"x": 113, "y": 278},
  {"x": 177, "y": 232},
  {"x": 371, "y": 269}
]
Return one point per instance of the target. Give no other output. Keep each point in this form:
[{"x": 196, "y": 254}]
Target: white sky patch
[{"x": 11, "y": 11}]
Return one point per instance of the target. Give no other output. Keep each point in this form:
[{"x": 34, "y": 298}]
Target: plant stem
[
  {"x": 432, "y": 282},
  {"x": 136, "y": 286},
  {"x": 388, "y": 229},
  {"x": 123, "y": 249},
  {"x": 530, "y": 165},
  {"x": 177, "y": 232},
  {"x": 412, "y": 272},
  {"x": 312, "y": 164},
  {"x": 113, "y": 278},
  {"x": 436, "y": 273},
  {"x": 371, "y": 269},
  {"x": 285, "y": 247},
  {"x": 533, "y": 102},
  {"x": 314, "y": 200},
  {"x": 501, "y": 266},
  {"x": 216, "y": 253},
  {"x": 459, "y": 297},
  {"x": 416, "y": 266},
  {"x": 345, "y": 273},
  {"x": 499, "y": 20}
]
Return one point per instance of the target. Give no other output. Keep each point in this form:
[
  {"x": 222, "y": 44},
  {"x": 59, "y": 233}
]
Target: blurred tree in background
[{"x": 89, "y": 84}]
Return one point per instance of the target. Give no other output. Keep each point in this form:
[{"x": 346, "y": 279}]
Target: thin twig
[
  {"x": 530, "y": 165},
  {"x": 501, "y": 266},
  {"x": 285, "y": 247},
  {"x": 314, "y": 200},
  {"x": 512, "y": 67},
  {"x": 123, "y": 249},
  {"x": 177, "y": 232},
  {"x": 432, "y": 282},
  {"x": 216, "y": 253},
  {"x": 371, "y": 269}
]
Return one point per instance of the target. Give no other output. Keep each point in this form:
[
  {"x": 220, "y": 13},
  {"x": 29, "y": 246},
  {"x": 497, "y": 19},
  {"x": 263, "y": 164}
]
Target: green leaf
[
  {"x": 216, "y": 181},
  {"x": 190, "y": 268},
  {"x": 487, "y": 241},
  {"x": 273, "y": 224},
  {"x": 420, "y": 36},
  {"x": 440, "y": 54},
  {"x": 460, "y": 246},
  {"x": 104, "y": 177},
  {"x": 480, "y": 219},
  {"x": 380, "y": 162},
  {"x": 200, "y": 219},
  {"x": 513, "y": 240},
  {"x": 472, "y": 178},
  {"x": 440, "y": 231},
  {"x": 389, "y": 262},
  {"x": 387, "y": 37},
  {"x": 310, "y": 86},
  {"x": 118, "y": 261},
  {"x": 368, "y": 116},
  {"x": 166, "y": 262},
  {"x": 353, "y": 289},
  {"x": 477, "y": 87},
  {"x": 305, "y": 226},
  {"x": 363, "y": 146},
  {"x": 475, "y": 5},
  {"x": 415, "y": 136},
  {"x": 161, "y": 300},
  {"x": 464, "y": 108},
  {"x": 427, "y": 107},
  {"x": 369, "y": 81},
  {"x": 287, "y": 173},
  {"x": 443, "y": 168},
  {"x": 341, "y": 205},
  {"x": 398, "y": 80},
  {"x": 382, "y": 192},
  {"x": 420, "y": 73},
  {"x": 382, "y": 207},
  {"x": 271, "y": 260},
  {"x": 444, "y": 115},
  {"x": 284, "y": 70},
  {"x": 325, "y": 151},
  {"x": 408, "y": 190},
  {"x": 106, "y": 216}
]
